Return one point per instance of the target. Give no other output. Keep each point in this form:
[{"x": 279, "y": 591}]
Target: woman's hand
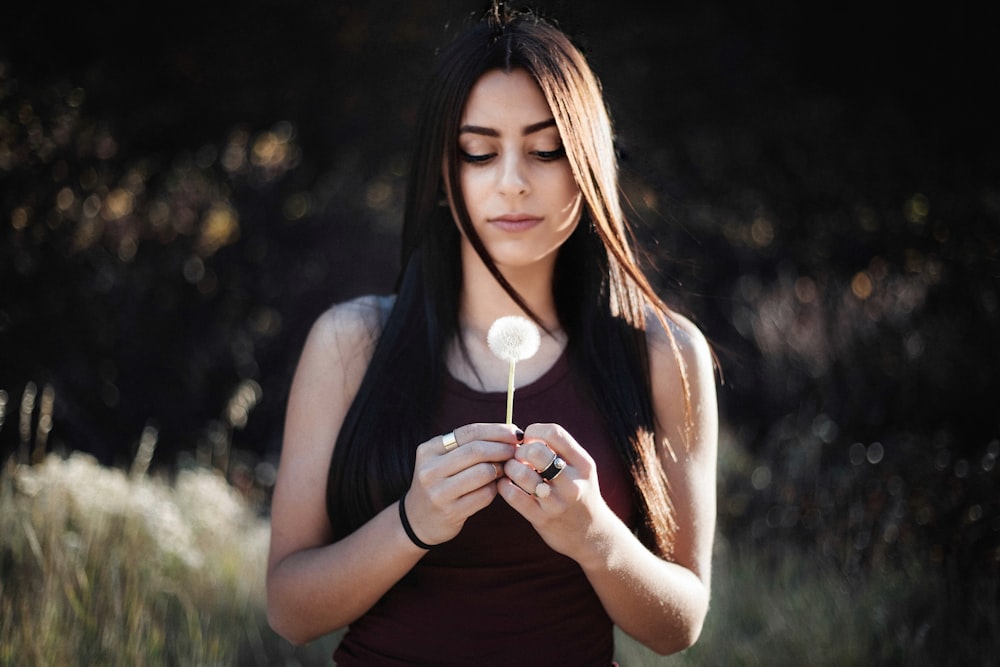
[
  {"x": 552, "y": 482},
  {"x": 452, "y": 483}
]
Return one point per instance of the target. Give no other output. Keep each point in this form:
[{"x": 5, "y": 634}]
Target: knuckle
[
  {"x": 544, "y": 458},
  {"x": 476, "y": 431},
  {"x": 437, "y": 501},
  {"x": 488, "y": 493},
  {"x": 472, "y": 432},
  {"x": 556, "y": 429},
  {"x": 520, "y": 474},
  {"x": 422, "y": 476},
  {"x": 583, "y": 463},
  {"x": 424, "y": 448},
  {"x": 549, "y": 430},
  {"x": 475, "y": 451},
  {"x": 535, "y": 451}
]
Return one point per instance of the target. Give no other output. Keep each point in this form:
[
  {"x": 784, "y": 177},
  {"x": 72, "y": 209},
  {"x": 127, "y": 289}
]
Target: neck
[{"x": 483, "y": 299}]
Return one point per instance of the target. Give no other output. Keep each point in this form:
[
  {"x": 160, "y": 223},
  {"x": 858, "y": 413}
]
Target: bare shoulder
[
  {"x": 351, "y": 326},
  {"x": 682, "y": 370},
  {"x": 676, "y": 343},
  {"x": 332, "y": 364}
]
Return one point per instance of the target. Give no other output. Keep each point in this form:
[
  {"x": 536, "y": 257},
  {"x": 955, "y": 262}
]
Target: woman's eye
[
  {"x": 474, "y": 159},
  {"x": 551, "y": 155}
]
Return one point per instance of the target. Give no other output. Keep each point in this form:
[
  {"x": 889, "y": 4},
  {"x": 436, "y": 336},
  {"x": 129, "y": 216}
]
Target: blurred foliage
[
  {"x": 818, "y": 187},
  {"x": 103, "y": 567},
  {"x": 113, "y": 566}
]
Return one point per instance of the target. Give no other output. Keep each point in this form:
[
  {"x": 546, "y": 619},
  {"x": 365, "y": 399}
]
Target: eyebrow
[{"x": 490, "y": 132}]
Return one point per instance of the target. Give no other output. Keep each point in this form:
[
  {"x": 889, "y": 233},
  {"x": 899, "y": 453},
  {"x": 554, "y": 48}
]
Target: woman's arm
[
  {"x": 662, "y": 603},
  {"x": 313, "y": 586}
]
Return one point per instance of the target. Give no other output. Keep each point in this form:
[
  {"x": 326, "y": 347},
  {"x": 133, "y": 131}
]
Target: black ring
[{"x": 556, "y": 466}]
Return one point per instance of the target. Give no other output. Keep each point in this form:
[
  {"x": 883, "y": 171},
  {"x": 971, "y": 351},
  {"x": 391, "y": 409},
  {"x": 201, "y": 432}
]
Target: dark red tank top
[{"x": 497, "y": 594}]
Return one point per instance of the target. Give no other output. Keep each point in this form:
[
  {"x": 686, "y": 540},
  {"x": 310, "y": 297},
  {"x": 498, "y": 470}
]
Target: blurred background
[{"x": 185, "y": 187}]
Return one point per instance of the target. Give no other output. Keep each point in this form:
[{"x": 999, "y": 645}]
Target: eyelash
[{"x": 545, "y": 156}]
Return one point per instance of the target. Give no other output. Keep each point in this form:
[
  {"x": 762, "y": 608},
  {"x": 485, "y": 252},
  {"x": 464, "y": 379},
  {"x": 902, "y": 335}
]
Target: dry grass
[{"x": 100, "y": 567}]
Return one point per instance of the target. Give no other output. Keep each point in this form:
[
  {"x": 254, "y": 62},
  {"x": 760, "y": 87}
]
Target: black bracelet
[{"x": 406, "y": 526}]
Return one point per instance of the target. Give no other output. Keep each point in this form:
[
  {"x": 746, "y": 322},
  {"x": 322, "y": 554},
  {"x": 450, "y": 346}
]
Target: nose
[{"x": 512, "y": 178}]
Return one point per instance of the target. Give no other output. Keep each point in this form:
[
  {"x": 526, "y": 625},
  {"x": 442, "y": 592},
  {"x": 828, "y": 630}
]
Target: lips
[{"x": 515, "y": 222}]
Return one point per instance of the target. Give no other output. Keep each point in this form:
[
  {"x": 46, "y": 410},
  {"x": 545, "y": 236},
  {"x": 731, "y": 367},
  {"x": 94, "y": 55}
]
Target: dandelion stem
[{"x": 510, "y": 393}]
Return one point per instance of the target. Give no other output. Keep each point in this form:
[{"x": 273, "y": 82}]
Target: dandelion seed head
[{"x": 513, "y": 338}]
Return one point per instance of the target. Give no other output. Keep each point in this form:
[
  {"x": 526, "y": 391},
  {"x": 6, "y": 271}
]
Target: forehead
[{"x": 502, "y": 98}]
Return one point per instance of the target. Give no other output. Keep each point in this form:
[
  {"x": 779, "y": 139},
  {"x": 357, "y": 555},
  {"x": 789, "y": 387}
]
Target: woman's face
[{"x": 515, "y": 177}]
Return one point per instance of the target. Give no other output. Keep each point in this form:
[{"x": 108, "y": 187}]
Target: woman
[{"x": 475, "y": 547}]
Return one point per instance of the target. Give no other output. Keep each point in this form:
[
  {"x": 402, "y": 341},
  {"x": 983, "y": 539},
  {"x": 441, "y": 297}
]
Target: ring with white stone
[
  {"x": 542, "y": 490},
  {"x": 553, "y": 469}
]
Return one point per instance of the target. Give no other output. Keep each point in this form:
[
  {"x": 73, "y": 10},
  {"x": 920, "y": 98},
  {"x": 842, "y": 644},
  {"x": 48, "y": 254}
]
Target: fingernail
[{"x": 520, "y": 435}]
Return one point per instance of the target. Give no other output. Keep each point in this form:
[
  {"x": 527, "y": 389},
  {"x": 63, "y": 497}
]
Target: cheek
[
  {"x": 475, "y": 189},
  {"x": 567, "y": 188},
  {"x": 573, "y": 213},
  {"x": 572, "y": 200}
]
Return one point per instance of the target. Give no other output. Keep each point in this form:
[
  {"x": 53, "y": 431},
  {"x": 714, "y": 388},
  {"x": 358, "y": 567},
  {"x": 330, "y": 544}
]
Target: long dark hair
[{"x": 601, "y": 294}]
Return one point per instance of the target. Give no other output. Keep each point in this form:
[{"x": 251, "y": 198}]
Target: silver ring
[
  {"x": 542, "y": 490},
  {"x": 553, "y": 469},
  {"x": 449, "y": 441}
]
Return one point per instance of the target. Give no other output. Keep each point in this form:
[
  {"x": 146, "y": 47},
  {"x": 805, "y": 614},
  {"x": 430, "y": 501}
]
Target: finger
[
  {"x": 553, "y": 469},
  {"x": 479, "y": 451},
  {"x": 536, "y": 454},
  {"x": 526, "y": 503},
  {"x": 548, "y": 464},
  {"x": 454, "y": 441},
  {"x": 492, "y": 432},
  {"x": 469, "y": 503},
  {"x": 444, "y": 480},
  {"x": 473, "y": 478},
  {"x": 491, "y": 443},
  {"x": 555, "y": 438},
  {"x": 523, "y": 475}
]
